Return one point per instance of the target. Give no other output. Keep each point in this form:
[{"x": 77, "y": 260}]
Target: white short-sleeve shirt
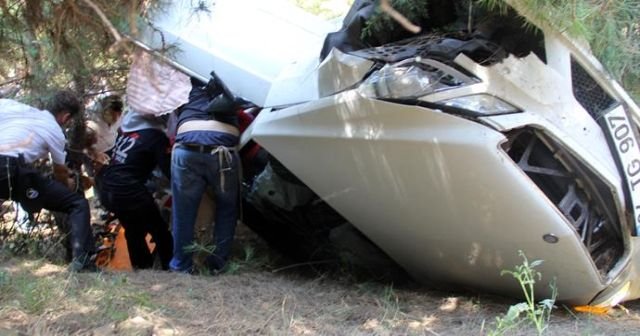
[
  {"x": 29, "y": 131},
  {"x": 106, "y": 134}
]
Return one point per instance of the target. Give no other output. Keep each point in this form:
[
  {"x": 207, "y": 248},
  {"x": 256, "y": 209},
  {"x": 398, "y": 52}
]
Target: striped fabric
[{"x": 155, "y": 87}]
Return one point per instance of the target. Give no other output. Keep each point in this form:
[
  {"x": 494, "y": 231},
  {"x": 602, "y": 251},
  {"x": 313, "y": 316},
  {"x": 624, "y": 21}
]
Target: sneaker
[{"x": 187, "y": 271}]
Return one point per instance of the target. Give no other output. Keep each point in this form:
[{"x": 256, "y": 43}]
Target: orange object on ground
[
  {"x": 120, "y": 259},
  {"x": 592, "y": 310},
  {"x": 116, "y": 256}
]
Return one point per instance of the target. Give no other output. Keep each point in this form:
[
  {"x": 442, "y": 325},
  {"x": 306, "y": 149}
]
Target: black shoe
[
  {"x": 215, "y": 265},
  {"x": 77, "y": 267},
  {"x": 83, "y": 265}
]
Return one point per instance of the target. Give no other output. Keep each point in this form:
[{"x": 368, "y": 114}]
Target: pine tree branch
[
  {"x": 107, "y": 23},
  {"x": 11, "y": 81}
]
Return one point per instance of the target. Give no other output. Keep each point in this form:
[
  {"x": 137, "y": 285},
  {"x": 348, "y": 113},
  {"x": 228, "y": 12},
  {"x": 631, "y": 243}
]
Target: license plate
[{"x": 626, "y": 145}]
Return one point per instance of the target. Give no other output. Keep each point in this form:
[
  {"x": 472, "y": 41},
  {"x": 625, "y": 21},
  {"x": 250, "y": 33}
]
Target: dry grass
[{"x": 38, "y": 298}]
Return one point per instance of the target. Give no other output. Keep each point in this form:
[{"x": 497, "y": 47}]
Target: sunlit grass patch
[{"x": 40, "y": 293}]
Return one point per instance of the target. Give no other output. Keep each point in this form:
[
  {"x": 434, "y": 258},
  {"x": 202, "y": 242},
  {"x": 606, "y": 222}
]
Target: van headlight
[
  {"x": 413, "y": 78},
  {"x": 417, "y": 77},
  {"x": 481, "y": 103}
]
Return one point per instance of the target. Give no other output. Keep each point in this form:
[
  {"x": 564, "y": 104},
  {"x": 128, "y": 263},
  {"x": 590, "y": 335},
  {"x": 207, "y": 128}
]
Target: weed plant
[
  {"x": 538, "y": 313},
  {"x": 249, "y": 260}
]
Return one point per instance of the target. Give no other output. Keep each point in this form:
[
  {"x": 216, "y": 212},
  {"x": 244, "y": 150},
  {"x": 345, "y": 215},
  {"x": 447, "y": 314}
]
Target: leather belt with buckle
[{"x": 199, "y": 148}]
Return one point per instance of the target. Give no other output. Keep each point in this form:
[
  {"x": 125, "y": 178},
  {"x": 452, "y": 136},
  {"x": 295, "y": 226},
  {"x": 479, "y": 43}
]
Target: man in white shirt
[{"x": 28, "y": 134}]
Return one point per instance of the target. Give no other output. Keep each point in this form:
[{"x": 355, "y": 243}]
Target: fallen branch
[
  {"x": 310, "y": 263},
  {"x": 401, "y": 19},
  {"x": 11, "y": 81}
]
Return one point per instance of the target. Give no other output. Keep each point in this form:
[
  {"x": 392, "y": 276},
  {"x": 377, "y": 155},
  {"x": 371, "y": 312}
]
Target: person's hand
[
  {"x": 86, "y": 182},
  {"x": 99, "y": 160},
  {"x": 61, "y": 173}
]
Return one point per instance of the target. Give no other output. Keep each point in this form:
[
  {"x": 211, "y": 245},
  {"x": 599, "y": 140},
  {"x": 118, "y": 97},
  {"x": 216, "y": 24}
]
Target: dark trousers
[
  {"x": 139, "y": 215},
  {"x": 34, "y": 192}
]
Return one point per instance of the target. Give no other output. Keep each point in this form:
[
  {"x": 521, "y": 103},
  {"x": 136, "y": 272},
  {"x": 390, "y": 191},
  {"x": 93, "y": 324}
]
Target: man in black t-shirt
[{"x": 141, "y": 145}]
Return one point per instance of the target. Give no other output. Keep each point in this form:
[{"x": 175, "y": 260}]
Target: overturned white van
[{"x": 447, "y": 152}]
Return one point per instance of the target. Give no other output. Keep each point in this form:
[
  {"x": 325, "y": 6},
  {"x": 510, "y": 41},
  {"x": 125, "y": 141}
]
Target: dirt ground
[{"x": 259, "y": 296}]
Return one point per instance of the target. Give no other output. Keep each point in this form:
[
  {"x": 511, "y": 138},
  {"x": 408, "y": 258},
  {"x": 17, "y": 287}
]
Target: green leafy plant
[
  {"x": 248, "y": 261},
  {"x": 200, "y": 248},
  {"x": 537, "y": 313}
]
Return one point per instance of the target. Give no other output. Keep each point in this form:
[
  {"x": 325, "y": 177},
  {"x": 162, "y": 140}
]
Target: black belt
[{"x": 199, "y": 148}]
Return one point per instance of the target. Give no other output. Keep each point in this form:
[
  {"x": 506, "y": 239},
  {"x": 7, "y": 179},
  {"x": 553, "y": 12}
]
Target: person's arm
[{"x": 61, "y": 173}]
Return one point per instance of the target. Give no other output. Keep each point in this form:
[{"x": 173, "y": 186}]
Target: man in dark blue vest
[{"x": 205, "y": 156}]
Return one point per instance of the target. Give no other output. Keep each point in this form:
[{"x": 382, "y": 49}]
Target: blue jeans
[{"x": 191, "y": 173}]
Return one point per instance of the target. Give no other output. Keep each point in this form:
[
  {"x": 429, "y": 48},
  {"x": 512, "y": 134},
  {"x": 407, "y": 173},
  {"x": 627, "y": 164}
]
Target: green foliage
[
  {"x": 200, "y": 248},
  {"x": 112, "y": 295},
  {"x": 140, "y": 299},
  {"x": 4, "y": 278},
  {"x": 610, "y": 27},
  {"x": 34, "y": 294},
  {"x": 64, "y": 44},
  {"x": 249, "y": 261},
  {"x": 536, "y": 313}
]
